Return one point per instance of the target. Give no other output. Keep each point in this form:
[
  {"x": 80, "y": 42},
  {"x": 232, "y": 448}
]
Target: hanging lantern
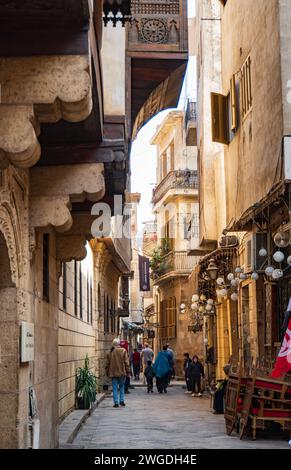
[
  {"x": 208, "y": 308},
  {"x": 263, "y": 252},
  {"x": 195, "y": 298},
  {"x": 238, "y": 270},
  {"x": 233, "y": 283},
  {"x": 230, "y": 277},
  {"x": 182, "y": 306},
  {"x": 269, "y": 271},
  {"x": 289, "y": 260},
  {"x": 255, "y": 276},
  {"x": 223, "y": 292},
  {"x": 279, "y": 256},
  {"x": 220, "y": 281},
  {"x": 212, "y": 270},
  {"x": 234, "y": 297},
  {"x": 194, "y": 306},
  {"x": 202, "y": 298},
  {"x": 277, "y": 274},
  {"x": 242, "y": 276},
  {"x": 210, "y": 302}
]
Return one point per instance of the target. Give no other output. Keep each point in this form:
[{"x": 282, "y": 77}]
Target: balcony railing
[
  {"x": 178, "y": 263},
  {"x": 181, "y": 179}
]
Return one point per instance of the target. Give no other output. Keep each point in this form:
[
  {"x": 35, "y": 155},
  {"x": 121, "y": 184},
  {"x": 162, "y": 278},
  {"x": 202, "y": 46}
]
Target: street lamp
[{"x": 212, "y": 270}]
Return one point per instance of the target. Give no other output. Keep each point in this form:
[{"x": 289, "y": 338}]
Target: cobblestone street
[{"x": 171, "y": 421}]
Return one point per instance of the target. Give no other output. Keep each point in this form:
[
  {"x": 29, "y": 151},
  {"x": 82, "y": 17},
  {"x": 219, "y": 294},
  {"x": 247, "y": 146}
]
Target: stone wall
[
  {"x": 253, "y": 158},
  {"x": 76, "y": 335}
]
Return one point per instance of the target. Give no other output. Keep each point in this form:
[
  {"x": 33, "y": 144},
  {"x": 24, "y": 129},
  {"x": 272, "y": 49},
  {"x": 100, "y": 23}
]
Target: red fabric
[
  {"x": 124, "y": 344},
  {"x": 283, "y": 363},
  {"x": 272, "y": 413},
  {"x": 136, "y": 358},
  {"x": 270, "y": 385}
]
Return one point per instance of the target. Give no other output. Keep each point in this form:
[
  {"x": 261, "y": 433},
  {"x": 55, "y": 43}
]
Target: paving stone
[{"x": 155, "y": 421}]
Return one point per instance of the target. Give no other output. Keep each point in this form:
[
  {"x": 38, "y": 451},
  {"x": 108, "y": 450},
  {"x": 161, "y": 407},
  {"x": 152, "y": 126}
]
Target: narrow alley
[{"x": 172, "y": 421}]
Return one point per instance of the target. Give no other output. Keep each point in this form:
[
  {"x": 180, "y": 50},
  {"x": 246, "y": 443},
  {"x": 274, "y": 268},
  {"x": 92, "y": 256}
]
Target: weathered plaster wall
[
  {"x": 209, "y": 80},
  {"x": 252, "y": 160}
]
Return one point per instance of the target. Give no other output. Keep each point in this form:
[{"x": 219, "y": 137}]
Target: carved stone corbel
[
  {"x": 39, "y": 89},
  {"x": 18, "y": 136},
  {"x": 53, "y": 190},
  {"x": 59, "y": 87},
  {"x": 71, "y": 247}
]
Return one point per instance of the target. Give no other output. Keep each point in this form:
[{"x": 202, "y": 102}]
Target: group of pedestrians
[
  {"x": 118, "y": 369},
  {"x": 194, "y": 373}
]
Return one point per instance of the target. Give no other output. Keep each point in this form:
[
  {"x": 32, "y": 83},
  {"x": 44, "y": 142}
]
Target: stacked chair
[{"x": 254, "y": 400}]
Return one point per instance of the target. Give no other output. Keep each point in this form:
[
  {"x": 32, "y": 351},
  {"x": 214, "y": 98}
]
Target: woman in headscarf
[{"x": 162, "y": 370}]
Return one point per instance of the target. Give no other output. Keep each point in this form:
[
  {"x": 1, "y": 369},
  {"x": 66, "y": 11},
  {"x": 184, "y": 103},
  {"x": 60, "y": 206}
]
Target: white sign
[{"x": 27, "y": 341}]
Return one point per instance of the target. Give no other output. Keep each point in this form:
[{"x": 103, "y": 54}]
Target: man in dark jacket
[
  {"x": 195, "y": 373},
  {"x": 187, "y": 362}
]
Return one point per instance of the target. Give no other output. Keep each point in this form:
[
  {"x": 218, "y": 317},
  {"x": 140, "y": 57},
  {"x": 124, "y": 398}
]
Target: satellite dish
[{"x": 282, "y": 239}]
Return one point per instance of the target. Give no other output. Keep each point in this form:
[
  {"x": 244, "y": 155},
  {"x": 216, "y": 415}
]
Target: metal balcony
[
  {"x": 175, "y": 264},
  {"x": 176, "y": 180}
]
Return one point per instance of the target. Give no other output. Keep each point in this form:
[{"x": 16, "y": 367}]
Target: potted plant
[{"x": 86, "y": 386}]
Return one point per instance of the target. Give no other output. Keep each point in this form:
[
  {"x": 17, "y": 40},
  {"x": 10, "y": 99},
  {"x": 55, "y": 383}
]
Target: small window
[
  {"x": 45, "y": 267},
  {"x": 81, "y": 292},
  {"x": 64, "y": 286},
  {"x": 246, "y": 88},
  {"x": 220, "y": 118},
  {"x": 91, "y": 302},
  {"x": 76, "y": 288}
]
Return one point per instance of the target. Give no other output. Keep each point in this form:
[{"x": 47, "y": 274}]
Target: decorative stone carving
[
  {"x": 18, "y": 136},
  {"x": 134, "y": 33},
  {"x": 80, "y": 182},
  {"x": 58, "y": 86},
  {"x": 154, "y": 30},
  {"x": 173, "y": 33},
  {"x": 51, "y": 211},
  {"x": 53, "y": 189},
  {"x": 161, "y": 7},
  {"x": 157, "y": 21}
]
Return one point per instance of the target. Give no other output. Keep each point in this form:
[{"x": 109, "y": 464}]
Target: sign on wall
[
  {"x": 144, "y": 274},
  {"x": 27, "y": 342}
]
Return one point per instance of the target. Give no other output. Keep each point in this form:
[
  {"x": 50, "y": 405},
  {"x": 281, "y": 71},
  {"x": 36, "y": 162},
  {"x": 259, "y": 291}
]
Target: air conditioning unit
[
  {"x": 252, "y": 260},
  {"x": 229, "y": 241}
]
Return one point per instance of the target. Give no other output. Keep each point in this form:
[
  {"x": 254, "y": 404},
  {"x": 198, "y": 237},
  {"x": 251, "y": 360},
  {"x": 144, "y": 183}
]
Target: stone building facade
[
  {"x": 175, "y": 202},
  {"x": 243, "y": 65},
  {"x": 63, "y": 147}
]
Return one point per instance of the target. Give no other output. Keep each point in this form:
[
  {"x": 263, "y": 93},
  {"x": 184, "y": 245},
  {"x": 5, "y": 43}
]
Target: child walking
[{"x": 149, "y": 374}]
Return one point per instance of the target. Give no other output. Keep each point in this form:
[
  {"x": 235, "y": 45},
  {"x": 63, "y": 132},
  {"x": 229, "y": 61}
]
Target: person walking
[
  {"x": 195, "y": 373},
  {"x": 162, "y": 370},
  {"x": 149, "y": 374},
  {"x": 136, "y": 363},
  {"x": 171, "y": 356},
  {"x": 146, "y": 355},
  {"x": 117, "y": 368},
  {"x": 187, "y": 362}
]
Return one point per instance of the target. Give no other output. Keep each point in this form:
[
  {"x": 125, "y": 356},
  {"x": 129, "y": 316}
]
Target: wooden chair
[
  {"x": 234, "y": 398},
  {"x": 266, "y": 400}
]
